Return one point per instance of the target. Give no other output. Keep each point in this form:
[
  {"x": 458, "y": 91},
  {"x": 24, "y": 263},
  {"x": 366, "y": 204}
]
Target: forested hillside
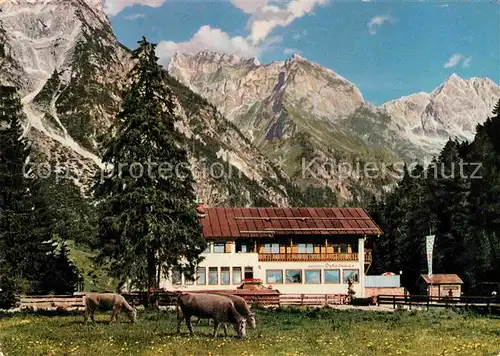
[{"x": 457, "y": 198}]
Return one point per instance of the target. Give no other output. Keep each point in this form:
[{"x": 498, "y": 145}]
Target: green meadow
[{"x": 290, "y": 331}]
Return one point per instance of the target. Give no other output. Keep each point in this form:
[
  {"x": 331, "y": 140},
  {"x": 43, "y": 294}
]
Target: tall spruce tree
[
  {"x": 147, "y": 220},
  {"x": 26, "y": 225},
  {"x": 15, "y": 208}
]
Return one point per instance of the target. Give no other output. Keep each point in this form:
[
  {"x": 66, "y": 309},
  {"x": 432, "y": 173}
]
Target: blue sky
[{"x": 388, "y": 49}]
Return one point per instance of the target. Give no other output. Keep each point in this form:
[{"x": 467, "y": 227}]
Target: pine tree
[
  {"x": 15, "y": 208},
  {"x": 63, "y": 276},
  {"x": 26, "y": 222},
  {"x": 147, "y": 222},
  {"x": 496, "y": 109}
]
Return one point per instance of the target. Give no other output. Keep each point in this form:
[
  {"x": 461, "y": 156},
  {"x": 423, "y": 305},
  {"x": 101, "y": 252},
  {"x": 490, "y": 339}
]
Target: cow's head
[
  {"x": 240, "y": 327},
  {"x": 251, "y": 320}
]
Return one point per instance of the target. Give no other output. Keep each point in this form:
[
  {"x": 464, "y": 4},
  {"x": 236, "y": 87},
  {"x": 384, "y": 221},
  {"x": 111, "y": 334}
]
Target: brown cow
[
  {"x": 219, "y": 308},
  {"x": 241, "y": 306},
  {"x": 108, "y": 301}
]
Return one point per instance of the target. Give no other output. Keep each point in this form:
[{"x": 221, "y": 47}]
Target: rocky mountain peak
[
  {"x": 453, "y": 110},
  {"x": 234, "y": 84},
  {"x": 297, "y": 57},
  {"x": 209, "y": 57},
  {"x": 454, "y": 77}
]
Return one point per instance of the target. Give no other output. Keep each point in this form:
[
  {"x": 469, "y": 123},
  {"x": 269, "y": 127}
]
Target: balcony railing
[
  {"x": 299, "y": 257},
  {"x": 272, "y": 257}
]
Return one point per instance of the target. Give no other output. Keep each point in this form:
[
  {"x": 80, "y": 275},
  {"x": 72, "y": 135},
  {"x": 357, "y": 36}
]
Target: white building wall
[
  {"x": 361, "y": 254},
  {"x": 243, "y": 260}
]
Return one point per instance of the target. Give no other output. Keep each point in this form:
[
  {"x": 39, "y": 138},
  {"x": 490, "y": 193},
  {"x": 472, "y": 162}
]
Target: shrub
[
  {"x": 361, "y": 301},
  {"x": 10, "y": 290}
]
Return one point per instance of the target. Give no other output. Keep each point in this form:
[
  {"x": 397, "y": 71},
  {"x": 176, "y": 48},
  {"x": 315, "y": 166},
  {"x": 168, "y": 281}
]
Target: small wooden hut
[{"x": 440, "y": 285}]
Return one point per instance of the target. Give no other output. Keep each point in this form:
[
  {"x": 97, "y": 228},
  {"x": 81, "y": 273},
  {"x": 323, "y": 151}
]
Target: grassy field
[{"x": 279, "y": 332}]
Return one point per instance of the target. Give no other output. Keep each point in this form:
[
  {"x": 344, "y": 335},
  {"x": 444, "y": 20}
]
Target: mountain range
[
  {"x": 278, "y": 99},
  {"x": 258, "y": 123}
]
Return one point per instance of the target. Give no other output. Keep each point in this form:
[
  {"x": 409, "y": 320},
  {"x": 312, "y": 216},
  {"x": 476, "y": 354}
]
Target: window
[
  {"x": 225, "y": 275},
  {"x": 344, "y": 248},
  {"x": 236, "y": 275},
  {"x": 293, "y": 276},
  {"x": 306, "y": 248},
  {"x": 219, "y": 247},
  {"x": 212, "y": 275},
  {"x": 312, "y": 276},
  {"x": 187, "y": 280},
  {"x": 243, "y": 247},
  {"x": 352, "y": 274},
  {"x": 272, "y": 248},
  {"x": 354, "y": 248},
  {"x": 176, "y": 277},
  {"x": 248, "y": 272},
  {"x": 207, "y": 250},
  {"x": 332, "y": 276},
  {"x": 274, "y": 276},
  {"x": 201, "y": 275}
]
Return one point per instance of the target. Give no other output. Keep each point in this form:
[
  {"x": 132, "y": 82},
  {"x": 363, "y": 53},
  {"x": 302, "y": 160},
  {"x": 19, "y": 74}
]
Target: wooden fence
[
  {"x": 75, "y": 302},
  {"x": 48, "y": 302},
  {"x": 488, "y": 304}
]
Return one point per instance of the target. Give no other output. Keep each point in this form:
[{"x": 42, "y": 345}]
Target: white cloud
[
  {"x": 113, "y": 7},
  {"x": 249, "y": 6},
  {"x": 456, "y": 59},
  {"x": 134, "y": 16},
  {"x": 208, "y": 38},
  {"x": 378, "y": 21},
  {"x": 266, "y": 18},
  {"x": 466, "y": 62}
]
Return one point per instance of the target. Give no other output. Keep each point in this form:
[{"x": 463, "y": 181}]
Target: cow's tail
[{"x": 178, "y": 307}]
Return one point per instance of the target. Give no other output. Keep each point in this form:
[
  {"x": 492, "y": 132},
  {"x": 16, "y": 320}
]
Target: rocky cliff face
[
  {"x": 64, "y": 59},
  {"x": 237, "y": 86},
  {"x": 451, "y": 110},
  {"x": 69, "y": 68}
]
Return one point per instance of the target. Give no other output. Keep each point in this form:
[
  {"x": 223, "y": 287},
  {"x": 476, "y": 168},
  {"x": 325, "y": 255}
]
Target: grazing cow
[
  {"x": 241, "y": 306},
  {"x": 217, "y": 307},
  {"x": 108, "y": 301}
]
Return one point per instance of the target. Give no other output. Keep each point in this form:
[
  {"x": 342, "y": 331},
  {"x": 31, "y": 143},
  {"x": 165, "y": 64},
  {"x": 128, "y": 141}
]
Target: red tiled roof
[
  {"x": 268, "y": 222},
  {"x": 442, "y": 279}
]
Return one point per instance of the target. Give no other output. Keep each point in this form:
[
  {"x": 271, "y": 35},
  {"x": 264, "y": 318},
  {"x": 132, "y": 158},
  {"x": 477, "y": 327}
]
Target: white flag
[{"x": 429, "y": 246}]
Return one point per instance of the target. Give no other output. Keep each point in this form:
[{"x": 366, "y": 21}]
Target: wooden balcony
[{"x": 305, "y": 257}]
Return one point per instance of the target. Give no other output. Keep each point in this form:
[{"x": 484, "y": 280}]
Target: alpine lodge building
[{"x": 292, "y": 250}]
